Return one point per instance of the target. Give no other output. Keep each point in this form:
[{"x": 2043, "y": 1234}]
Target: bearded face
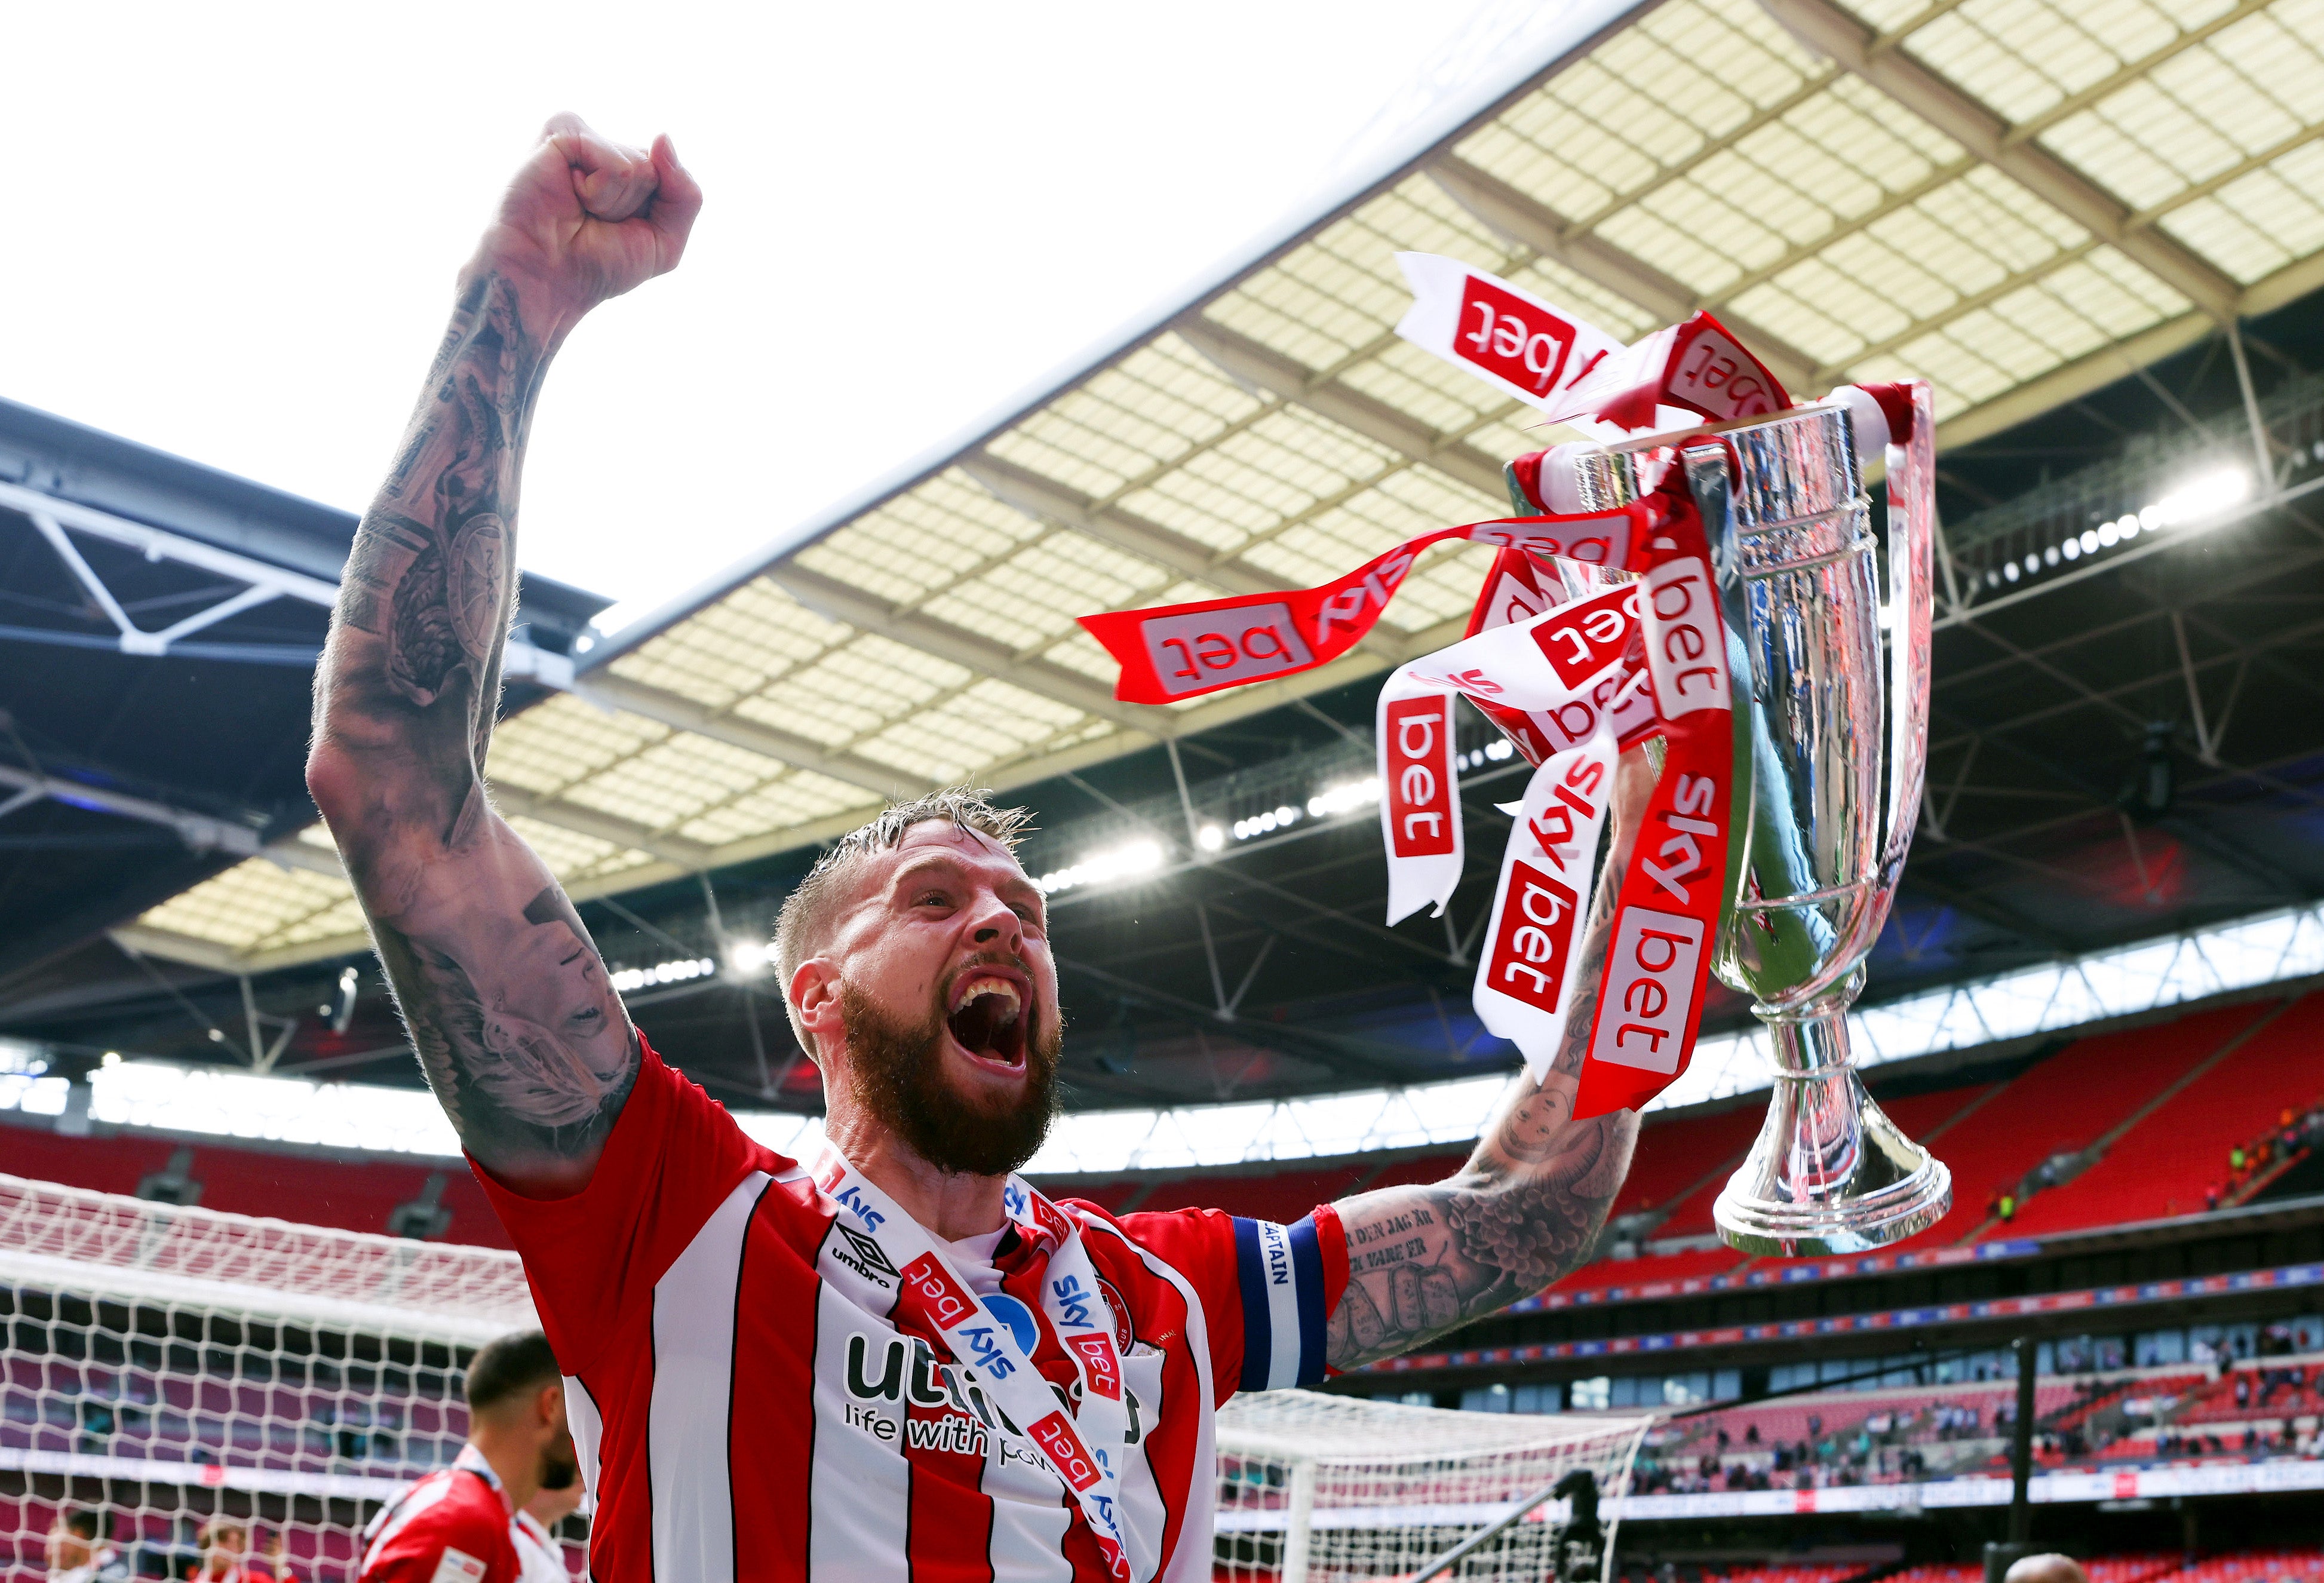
[
  {"x": 560, "y": 1465},
  {"x": 899, "y": 1070}
]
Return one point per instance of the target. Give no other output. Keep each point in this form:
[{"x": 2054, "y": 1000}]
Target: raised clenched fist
[{"x": 586, "y": 219}]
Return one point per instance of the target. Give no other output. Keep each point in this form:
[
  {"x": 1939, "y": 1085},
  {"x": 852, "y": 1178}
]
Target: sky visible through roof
[{"x": 248, "y": 223}]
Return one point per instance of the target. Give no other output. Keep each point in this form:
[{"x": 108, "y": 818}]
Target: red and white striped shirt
[
  {"x": 748, "y": 1403},
  {"x": 451, "y": 1527}
]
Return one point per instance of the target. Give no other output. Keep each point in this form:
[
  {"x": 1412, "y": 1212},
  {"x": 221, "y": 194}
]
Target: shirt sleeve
[
  {"x": 457, "y": 1542},
  {"x": 1267, "y": 1291},
  {"x": 671, "y": 1158}
]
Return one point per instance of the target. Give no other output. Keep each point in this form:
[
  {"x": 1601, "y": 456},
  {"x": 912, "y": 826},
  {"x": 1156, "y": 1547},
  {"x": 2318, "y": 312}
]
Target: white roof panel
[{"x": 1936, "y": 197}]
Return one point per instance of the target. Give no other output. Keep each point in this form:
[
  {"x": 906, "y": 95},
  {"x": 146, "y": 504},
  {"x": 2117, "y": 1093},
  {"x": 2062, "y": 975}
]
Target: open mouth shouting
[{"x": 987, "y": 1014}]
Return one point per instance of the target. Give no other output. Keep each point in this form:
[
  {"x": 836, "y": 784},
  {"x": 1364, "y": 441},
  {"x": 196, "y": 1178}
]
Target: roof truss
[{"x": 1862, "y": 190}]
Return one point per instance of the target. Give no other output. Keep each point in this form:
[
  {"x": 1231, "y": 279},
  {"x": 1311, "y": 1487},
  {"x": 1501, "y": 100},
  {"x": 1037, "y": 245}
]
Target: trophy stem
[{"x": 1829, "y": 1174}]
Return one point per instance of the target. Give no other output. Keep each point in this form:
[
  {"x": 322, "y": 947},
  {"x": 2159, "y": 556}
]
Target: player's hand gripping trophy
[{"x": 1789, "y": 528}]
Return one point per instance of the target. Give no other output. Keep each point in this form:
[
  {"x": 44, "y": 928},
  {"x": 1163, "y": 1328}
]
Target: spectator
[
  {"x": 78, "y": 1551},
  {"x": 2242, "y": 1390},
  {"x": 2048, "y": 1569},
  {"x": 2211, "y": 1196},
  {"x": 224, "y": 1540},
  {"x": 2008, "y": 1207},
  {"x": 2236, "y": 1160}
]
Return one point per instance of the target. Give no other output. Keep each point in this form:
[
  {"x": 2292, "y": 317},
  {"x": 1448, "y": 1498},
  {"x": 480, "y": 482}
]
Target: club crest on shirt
[
  {"x": 863, "y": 1255},
  {"x": 1125, "y": 1336}
]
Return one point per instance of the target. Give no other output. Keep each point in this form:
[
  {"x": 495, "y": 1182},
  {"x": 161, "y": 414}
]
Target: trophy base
[{"x": 1829, "y": 1174}]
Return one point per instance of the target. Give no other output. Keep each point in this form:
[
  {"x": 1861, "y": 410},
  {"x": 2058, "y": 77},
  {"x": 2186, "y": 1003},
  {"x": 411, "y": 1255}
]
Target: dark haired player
[
  {"x": 897, "y": 1362},
  {"x": 458, "y": 1526},
  {"x": 78, "y": 1551}
]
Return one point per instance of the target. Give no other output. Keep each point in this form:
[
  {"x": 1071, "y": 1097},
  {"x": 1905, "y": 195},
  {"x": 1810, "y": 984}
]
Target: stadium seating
[
  {"x": 1283, "y": 1195},
  {"x": 353, "y": 1195},
  {"x": 2067, "y": 1103},
  {"x": 1991, "y": 1135},
  {"x": 2252, "y": 1565},
  {"x": 2163, "y": 1165},
  {"x": 1830, "y": 1572},
  {"x": 2273, "y": 1390}
]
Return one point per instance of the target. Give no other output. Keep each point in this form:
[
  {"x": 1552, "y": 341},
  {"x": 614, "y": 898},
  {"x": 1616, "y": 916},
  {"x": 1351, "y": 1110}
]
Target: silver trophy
[{"x": 1815, "y": 863}]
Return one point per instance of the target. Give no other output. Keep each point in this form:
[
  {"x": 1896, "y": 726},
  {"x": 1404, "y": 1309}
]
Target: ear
[
  {"x": 548, "y": 1406},
  {"x": 814, "y": 994}
]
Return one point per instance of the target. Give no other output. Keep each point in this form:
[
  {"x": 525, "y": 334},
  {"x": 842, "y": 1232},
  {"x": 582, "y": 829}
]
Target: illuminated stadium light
[
  {"x": 1344, "y": 797},
  {"x": 2204, "y": 496},
  {"x": 2270, "y": 949},
  {"x": 747, "y": 959},
  {"x": 1267, "y": 823},
  {"x": 1210, "y": 838},
  {"x": 1497, "y": 751},
  {"x": 1123, "y": 862},
  {"x": 626, "y": 979}
]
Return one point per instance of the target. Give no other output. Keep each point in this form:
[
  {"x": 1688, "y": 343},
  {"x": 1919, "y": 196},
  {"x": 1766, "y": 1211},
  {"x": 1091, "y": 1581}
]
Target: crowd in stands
[
  {"x": 2254, "y": 1162},
  {"x": 2241, "y": 1566},
  {"x": 2228, "y": 1407}
]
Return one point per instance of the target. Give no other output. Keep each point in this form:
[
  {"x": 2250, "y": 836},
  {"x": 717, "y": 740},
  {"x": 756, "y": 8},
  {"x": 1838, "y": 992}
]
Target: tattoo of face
[
  {"x": 1536, "y": 1229},
  {"x": 505, "y": 994}
]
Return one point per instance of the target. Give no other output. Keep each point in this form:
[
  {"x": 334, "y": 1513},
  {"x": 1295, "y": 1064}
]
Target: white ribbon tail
[
  {"x": 1420, "y": 795},
  {"x": 1531, "y": 953}
]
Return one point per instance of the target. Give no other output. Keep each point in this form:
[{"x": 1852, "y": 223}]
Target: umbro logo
[{"x": 863, "y": 1255}]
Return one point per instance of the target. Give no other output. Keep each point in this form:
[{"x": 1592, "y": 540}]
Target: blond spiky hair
[{"x": 805, "y": 920}]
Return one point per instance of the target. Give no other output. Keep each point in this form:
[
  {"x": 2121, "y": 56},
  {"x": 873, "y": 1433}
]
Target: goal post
[
  {"x": 1321, "y": 1488},
  {"x": 172, "y": 1370}
]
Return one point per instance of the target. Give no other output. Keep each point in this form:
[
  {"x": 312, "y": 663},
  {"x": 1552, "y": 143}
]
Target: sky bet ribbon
[
  {"x": 1179, "y": 651},
  {"x": 1082, "y": 1443},
  {"x": 1591, "y": 633}
]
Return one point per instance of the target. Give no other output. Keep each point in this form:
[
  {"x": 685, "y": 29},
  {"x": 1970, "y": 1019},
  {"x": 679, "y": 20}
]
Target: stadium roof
[{"x": 2020, "y": 203}]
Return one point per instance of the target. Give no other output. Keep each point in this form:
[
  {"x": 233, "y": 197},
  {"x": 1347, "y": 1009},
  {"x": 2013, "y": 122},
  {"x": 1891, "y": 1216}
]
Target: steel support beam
[
  {"x": 610, "y": 691},
  {"x": 201, "y": 832},
  {"x": 1046, "y": 500},
  {"x": 1825, "y": 27},
  {"x": 692, "y": 856},
  {"x": 1257, "y": 367},
  {"x": 856, "y": 608}
]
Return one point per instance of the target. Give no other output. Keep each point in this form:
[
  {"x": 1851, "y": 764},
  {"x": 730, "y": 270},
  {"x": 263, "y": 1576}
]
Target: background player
[
  {"x": 458, "y": 1526},
  {"x": 539, "y": 1552},
  {"x": 693, "y": 1282},
  {"x": 78, "y": 1551}
]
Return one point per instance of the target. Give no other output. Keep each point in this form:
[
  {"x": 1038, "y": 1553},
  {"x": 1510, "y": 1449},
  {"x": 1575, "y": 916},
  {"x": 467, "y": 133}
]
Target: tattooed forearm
[
  {"x": 1523, "y": 1212},
  {"x": 500, "y": 987},
  {"x": 1424, "y": 1260}
]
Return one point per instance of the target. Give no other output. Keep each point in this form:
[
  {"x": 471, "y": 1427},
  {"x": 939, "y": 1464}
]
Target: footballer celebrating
[{"x": 896, "y": 1361}]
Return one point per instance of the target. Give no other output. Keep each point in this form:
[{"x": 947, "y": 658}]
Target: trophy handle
[{"x": 1912, "y": 552}]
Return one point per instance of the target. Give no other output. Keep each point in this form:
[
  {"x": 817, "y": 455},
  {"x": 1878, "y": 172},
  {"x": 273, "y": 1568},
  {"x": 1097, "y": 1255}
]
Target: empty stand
[
  {"x": 2067, "y": 1103},
  {"x": 352, "y": 1195},
  {"x": 2162, "y": 1165},
  {"x": 2252, "y": 1565},
  {"x": 1651, "y": 1272},
  {"x": 1283, "y": 1195}
]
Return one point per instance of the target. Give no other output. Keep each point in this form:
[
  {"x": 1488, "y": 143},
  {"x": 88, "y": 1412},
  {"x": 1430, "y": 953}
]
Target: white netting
[
  {"x": 1330, "y": 1489},
  {"x": 168, "y": 1368}
]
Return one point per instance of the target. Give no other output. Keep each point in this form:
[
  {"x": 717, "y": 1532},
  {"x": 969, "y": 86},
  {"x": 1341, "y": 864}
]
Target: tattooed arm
[
  {"x": 1526, "y": 1207},
  {"x": 502, "y": 990}
]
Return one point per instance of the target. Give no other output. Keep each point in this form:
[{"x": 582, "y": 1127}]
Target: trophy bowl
[{"x": 1789, "y": 528}]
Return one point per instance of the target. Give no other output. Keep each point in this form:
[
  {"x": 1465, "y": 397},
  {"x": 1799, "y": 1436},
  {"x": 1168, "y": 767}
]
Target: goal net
[
  {"x": 1315, "y": 1488},
  {"x": 188, "y": 1378}
]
